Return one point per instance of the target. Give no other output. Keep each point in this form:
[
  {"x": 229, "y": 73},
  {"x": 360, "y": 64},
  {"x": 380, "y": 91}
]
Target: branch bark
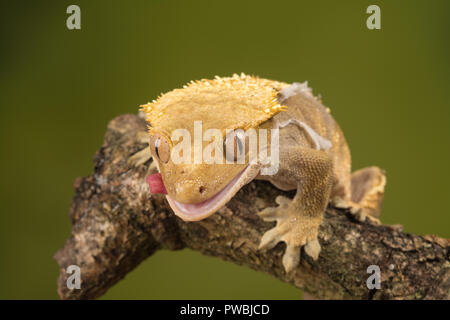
[{"x": 116, "y": 225}]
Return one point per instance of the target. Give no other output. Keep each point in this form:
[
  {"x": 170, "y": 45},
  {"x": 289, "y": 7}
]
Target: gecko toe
[
  {"x": 291, "y": 258},
  {"x": 275, "y": 213},
  {"x": 269, "y": 239},
  {"x": 312, "y": 249},
  {"x": 340, "y": 203},
  {"x": 140, "y": 157},
  {"x": 282, "y": 201},
  {"x": 268, "y": 214}
]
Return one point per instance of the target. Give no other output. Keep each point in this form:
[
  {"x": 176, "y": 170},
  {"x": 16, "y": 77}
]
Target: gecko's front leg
[
  {"x": 143, "y": 155},
  {"x": 298, "y": 219}
]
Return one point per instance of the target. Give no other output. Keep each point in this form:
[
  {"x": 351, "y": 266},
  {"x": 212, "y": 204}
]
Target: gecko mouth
[{"x": 202, "y": 210}]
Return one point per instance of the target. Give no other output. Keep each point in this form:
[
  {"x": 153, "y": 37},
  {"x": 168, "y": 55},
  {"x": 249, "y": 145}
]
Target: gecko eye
[
  {"x": 160, "y": 147},
  {"x": 235, "y": 145}
]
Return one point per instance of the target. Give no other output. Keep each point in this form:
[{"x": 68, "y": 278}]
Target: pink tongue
[{"x": 156, "y": 183}]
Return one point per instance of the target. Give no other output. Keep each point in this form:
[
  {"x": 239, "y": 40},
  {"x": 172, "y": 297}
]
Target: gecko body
[{"x": 313, "y": 156}]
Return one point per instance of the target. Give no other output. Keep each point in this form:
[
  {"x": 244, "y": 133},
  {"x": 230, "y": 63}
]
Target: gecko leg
[
  {"x": 366, "y": 198},
  {"x": 367, "y": 189},
  {"x": 298, "y": 219}
]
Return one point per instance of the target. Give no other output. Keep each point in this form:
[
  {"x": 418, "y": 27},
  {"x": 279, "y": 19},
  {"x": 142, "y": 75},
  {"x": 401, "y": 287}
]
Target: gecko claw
[{"x": 361, "y": 215}]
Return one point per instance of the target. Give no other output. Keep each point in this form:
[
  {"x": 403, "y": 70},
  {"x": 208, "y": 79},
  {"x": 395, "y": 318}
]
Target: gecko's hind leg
[
  {"x": 366, "y": 194},
  {"x": 367, "y": 190}
]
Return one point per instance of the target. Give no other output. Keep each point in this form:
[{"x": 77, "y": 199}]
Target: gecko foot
[
  {"x": 143, "y": 155},
  {"x": 361, "y": 215},
  {"x": 293, "y": 228},
  {"x": 356, "y": 210},
  {"x": 140, "y": 157}
]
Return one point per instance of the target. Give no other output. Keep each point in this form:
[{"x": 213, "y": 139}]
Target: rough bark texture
[{"x": 116, "y": 225}]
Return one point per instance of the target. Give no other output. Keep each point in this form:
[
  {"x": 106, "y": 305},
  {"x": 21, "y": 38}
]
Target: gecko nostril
[{"x": 201, "y": 189}]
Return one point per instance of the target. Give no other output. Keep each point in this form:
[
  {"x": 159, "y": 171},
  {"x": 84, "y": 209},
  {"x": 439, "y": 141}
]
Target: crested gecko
[{"x": 313, "y": 157}]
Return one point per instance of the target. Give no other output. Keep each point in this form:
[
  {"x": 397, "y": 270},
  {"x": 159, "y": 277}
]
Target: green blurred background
[{"x": 388, "y": 88}]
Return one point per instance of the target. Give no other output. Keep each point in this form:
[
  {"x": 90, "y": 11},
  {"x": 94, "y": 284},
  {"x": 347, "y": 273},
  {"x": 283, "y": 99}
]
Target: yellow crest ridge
[{"x": 240, "y": 101}]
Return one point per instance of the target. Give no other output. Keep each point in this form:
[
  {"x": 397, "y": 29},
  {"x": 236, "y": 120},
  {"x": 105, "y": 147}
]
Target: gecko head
[
  {"x": 192, "y": 130},
  {"x": 196, "y": 191}
]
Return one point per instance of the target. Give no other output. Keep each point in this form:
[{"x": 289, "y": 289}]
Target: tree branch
[{"x": 116, "y": 225}]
